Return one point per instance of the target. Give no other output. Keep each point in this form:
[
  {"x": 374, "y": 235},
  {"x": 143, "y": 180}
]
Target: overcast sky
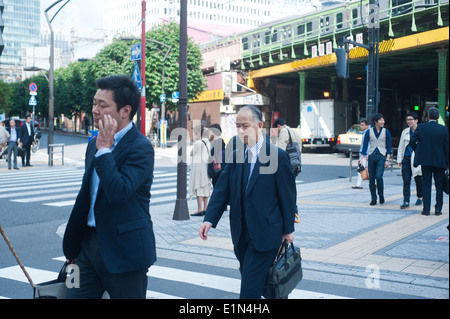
[{"x": 84, "y": 16}]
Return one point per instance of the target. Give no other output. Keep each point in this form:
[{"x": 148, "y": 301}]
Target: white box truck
[{"x": 321, "y": 121}]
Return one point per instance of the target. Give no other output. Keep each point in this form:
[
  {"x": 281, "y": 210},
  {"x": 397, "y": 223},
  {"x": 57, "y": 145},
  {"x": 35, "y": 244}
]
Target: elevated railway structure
[{"x": 293, "y": 59}]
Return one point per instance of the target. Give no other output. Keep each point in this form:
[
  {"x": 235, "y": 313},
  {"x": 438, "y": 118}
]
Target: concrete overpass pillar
[
  {"x": 302, "y": 93},
  {"x": 442, "y": 83}
]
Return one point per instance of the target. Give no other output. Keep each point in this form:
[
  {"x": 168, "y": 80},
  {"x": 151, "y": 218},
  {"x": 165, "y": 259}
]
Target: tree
[
  {"x": 169, "y": 34},
  {"x": 6, "y": 98}
]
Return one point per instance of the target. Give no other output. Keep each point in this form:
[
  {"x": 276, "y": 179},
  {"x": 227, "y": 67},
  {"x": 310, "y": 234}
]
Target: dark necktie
[{"x": 246, "y": 171}]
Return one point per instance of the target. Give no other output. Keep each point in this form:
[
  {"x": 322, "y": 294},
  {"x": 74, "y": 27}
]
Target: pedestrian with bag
[
  {"x": 13, "y": 142},
  {"x": 405, "y": 159},
  {"x": 430, "y": 143},
  {"x": 217, "y": 149},
  {"x": 259, "y": 184},
  {"x": 109, "y": 235},
  {"x": 362, "y": 163},
  {"x": 27, "y": 140},
  {"x": 200, "y": 182},
  {"x": 377, "y": 147}
]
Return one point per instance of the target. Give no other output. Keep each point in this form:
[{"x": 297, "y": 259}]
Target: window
[{"x": 339, "y": 19}]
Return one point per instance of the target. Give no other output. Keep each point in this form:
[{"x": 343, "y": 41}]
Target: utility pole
[
  {"x": 143, "y": 43},
  {"x": 372, "y": 81},
  {"x": 372, "y": 97},
  {"x": 181, "y": 209}
]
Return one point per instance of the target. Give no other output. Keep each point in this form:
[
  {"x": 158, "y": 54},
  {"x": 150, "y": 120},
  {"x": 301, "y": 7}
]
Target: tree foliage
[{"x": 74, "y": 86}]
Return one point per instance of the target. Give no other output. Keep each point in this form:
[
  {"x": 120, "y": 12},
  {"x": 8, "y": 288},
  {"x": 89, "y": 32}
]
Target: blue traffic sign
[
  {"x": 162, "y": 98},
  {"x": 136, "y": 52},
  {"x": 32, "y": 101},
  {"x": 175, "y": 95},
  {"x": 137, "y": 76}
]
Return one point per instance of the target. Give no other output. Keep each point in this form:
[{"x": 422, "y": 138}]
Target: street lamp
[
  {"x": 181, "y": 211},
  {"x": 163, "y": 126},
  {"x": 51, "y": 97}
]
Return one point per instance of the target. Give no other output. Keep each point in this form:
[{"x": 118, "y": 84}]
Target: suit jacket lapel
[
  {"x": 124, "y": 141},
  {"x": 256, "y": 169}
]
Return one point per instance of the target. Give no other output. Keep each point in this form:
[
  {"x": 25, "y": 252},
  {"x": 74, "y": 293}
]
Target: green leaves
[{"x": 75, "y": 85}]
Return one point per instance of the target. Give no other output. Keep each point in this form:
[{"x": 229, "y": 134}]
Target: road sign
[
  {"x": 33, "y": 87},
  {"x": 136, "y": 52},
  {"x": 175, "y": 97},
  {"x": 162, "y": 98},
  {"x": 32, "y": 101},
  {"x": 137, "y": 76}
]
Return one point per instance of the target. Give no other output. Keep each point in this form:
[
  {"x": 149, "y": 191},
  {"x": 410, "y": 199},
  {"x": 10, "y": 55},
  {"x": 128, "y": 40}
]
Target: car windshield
[{"x": 355, "y": 129}]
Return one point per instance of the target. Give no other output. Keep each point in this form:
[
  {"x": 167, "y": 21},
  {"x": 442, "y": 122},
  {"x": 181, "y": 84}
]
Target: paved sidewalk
[{"x": 339, "y": 232}]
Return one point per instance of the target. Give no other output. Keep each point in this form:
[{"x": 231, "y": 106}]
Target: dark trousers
[
  {"x": 254, "y": 266},
  {"x": 376, "y": 171},
  {"x": 95, "y": 278},
  {"x": 427, "y": 173},
  {"x": 27, "y": 149},
  {"x": 12, "y": 149},
  {"x": 406, "y": 176}
]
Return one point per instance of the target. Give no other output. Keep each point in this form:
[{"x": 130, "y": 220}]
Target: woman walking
[{"x": 200, "y": 183}]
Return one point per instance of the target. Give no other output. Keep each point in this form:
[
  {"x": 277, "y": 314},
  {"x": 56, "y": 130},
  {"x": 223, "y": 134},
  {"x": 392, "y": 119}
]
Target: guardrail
[{"x": 51, "y": 152}]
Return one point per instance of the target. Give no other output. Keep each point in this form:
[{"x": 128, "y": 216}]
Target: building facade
[{"x": 22, "y": 29}]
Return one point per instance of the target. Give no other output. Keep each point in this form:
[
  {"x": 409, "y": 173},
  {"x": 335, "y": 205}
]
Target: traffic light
[
  {"x": 2, "y": 25},
  {"x": 342, "y": 63}
]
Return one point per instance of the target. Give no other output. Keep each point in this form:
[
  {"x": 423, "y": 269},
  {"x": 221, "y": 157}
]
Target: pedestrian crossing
[
  {"x": 159, "y": 277},
  {"x": 59, "y": 188}
]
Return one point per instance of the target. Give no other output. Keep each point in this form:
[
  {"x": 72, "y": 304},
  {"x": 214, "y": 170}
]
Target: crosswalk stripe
[
  {"x": 50, "y": 187},
  {"x": 44, "y": 198},
  {"x": 38, "y": 185},
  {"x": 222, "y": 283}
]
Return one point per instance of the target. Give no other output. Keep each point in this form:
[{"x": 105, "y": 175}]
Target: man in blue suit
[
  {"x": 259, "y": 184},
  {"x": 430, "y": 142},
  {"x": 109, "y": 235}
]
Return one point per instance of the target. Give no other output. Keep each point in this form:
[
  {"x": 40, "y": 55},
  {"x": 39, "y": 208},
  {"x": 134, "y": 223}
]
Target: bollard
[{"x": 351, "y": 158}]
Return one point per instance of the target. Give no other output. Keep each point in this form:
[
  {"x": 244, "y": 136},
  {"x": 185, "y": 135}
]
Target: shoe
[
  {"x": 381, "y": 199},
  {"x": 372, "y": 203},
  {"x": 202, "y": 213},
  {"x": 29, "y": 165},
  {"x": 404, "y": 205},
  {"x": 419, "y": 202},
  {"x": 424, "y": 212},
  {"x": 357, "y": 187},
  {"x": 438, "y": 213},
  {"x": 16, "y": 168}
]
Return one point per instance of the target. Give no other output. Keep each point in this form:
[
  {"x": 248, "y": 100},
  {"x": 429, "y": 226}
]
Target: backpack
[{"x": 293, "y": 150}]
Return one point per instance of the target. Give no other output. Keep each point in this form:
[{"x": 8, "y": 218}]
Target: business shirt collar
[
  {"x": 118, "y": 136},
  {"x": 256, "y": 148}
]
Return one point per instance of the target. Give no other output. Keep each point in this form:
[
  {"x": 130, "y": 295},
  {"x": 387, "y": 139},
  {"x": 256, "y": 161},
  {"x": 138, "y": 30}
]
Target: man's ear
[{"x": 125, "y": 111}]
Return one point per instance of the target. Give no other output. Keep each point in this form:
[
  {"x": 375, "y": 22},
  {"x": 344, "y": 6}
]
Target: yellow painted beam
[{"x": 410, "y": 42}]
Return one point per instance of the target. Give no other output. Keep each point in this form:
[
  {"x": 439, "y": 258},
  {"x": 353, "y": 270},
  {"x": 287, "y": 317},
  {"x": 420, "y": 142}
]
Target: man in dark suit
[
  {"x": 109, "y": 235},
  {"x": 260, "y": 186},
  {"x": 13, "y": 142},
  {"x": 430, "y": 142},
  {"x": 27, "y": 139}
]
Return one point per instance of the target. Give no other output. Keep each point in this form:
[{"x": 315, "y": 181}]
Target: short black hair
[
  {"x": 433, "y": 113},
  {"x": 216, "y": 126},
  {"x": 364, "y": 121},
  {"x": 124, "y": 89},
  {"x": 413, "y": 115},
  {"x": 279, "y": 121},
  {"x": 376, "y": 117}
]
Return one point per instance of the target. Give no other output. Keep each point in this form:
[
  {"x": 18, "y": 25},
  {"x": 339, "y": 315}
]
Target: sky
[{"x": 84, "y": 16}]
